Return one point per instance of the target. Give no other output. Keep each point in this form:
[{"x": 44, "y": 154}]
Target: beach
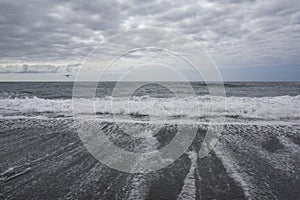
[{"x": 256, "y": 156}]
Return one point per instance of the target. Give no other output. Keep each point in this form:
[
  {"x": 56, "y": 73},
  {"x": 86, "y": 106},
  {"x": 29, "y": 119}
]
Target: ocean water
[{"x": 257, "y": 155}]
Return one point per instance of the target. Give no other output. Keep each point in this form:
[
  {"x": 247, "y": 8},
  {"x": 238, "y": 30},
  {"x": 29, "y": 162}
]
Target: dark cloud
[{"x": 235, "y": 33}]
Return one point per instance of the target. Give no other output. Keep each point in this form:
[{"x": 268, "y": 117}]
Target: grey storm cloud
[
  {"x": 235, "y": 33},
  {"x": 38, "y": 68}
]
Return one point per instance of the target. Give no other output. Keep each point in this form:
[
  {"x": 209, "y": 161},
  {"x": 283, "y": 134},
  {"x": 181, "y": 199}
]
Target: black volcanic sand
[{"x": 45, "y": 159}]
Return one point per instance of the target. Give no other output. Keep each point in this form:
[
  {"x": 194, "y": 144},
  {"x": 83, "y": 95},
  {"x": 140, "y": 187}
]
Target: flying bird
[{"x": 67, "y": 75}]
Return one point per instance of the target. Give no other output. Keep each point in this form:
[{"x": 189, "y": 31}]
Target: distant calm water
[
  {"x": 257, "y": 155},
  {"x": 63, "y": 90}
]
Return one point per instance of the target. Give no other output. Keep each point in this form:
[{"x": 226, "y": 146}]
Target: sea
[{"x": 257, "y": 155}]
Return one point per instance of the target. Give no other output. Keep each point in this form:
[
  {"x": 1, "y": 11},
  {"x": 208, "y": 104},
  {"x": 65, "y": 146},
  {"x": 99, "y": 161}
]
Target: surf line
[
  {"x": 234, "y": 171},
  {"x": 140, "y": 187},
  {"x": 188, "y": 190}
]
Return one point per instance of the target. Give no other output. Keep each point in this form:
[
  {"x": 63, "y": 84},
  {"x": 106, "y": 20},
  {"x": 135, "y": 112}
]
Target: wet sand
[{"x": 45, "y": 159}]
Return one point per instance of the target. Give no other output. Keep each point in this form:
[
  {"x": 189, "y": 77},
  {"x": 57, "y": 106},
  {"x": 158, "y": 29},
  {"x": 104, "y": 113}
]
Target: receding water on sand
[{"x": 256, "y": 157}]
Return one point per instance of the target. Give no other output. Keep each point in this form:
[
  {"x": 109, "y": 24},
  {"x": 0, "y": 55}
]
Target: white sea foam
[
  {"x": 269, "y": 108},
  {"x": 139, "y": 188},
  {"x": 188, "y": 190},
  {"x": 236, "y": 172}
]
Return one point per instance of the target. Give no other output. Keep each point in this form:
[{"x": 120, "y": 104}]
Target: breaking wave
[{"x": 267, "y": 108}]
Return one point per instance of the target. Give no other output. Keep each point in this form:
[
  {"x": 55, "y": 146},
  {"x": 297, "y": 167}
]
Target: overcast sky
[{"x": 248, "y": 40}]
